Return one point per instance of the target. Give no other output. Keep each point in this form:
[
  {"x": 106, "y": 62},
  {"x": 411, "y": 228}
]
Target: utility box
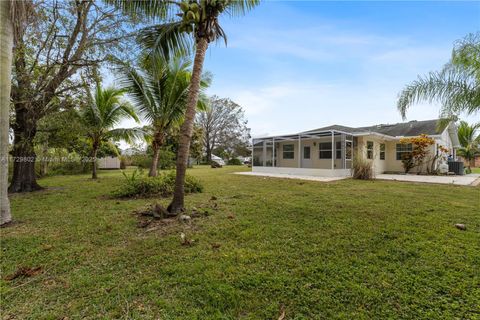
[{"x": 456, "y": 167}]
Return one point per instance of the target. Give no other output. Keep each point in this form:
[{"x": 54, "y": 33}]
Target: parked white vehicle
[{"x": 218, "y": 160}]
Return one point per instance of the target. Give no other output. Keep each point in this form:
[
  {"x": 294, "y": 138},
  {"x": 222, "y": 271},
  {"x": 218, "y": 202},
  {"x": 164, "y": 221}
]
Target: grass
[
  {"x": 343, "y": 250},
  {"x": 476, "y": 170}
]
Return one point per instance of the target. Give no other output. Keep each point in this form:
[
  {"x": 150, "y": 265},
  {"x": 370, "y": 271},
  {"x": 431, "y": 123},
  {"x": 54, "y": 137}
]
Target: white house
[{"x": 329, "y": 151}]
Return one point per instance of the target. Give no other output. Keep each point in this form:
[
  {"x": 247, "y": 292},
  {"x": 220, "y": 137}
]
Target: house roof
[
  {"x": 334, "y": 127},
  {"x": 404, "y": 129}
]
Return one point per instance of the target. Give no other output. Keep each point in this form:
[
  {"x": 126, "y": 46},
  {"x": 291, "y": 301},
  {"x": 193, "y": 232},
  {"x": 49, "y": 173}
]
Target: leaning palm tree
[
  {"x": 456, "y": 87},
  {"x": 469, "y": 139},
  {"x": 159, "y": 91},
  {"x": 189, "y": 24},
  {"x": 104, "y": 110},
  {"x": 13, "y": 15}
]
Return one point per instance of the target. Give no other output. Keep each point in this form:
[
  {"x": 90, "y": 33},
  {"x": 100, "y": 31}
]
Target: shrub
[
  {"x": 166, "y": 159},
  {"x": 138, "y": 185},
  {"x": 234, "y": 162},
  {"x": 70, "y": 167},
  {"x": 141, "y": 161},
  {"x": 420, "y": 151},
  {"x": 362, "y": 169}
]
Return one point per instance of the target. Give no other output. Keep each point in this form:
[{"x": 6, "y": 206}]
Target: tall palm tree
[
  {"x": 13, "y": 15},
  {"x": 104, "y": 110},
  {"x": 6, "y": 44},
  {"x": 159, "y": 90},
  {"x": 469, "y": 140},
  {"x": 189, "y": 23},
  {"x": 456, "y": 87}
]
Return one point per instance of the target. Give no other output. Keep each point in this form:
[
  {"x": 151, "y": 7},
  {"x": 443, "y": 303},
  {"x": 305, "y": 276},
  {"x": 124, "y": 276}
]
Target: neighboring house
[
  {"x": 108, "y": 163},
  {"x": 330, "y": 151}
]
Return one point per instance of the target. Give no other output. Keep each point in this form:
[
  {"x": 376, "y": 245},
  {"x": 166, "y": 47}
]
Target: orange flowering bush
[{"x": 419, "y": 152}]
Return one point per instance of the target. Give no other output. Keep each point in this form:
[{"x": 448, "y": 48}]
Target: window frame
[
  {"x": 370, "y": 149},
  {"x": 404, "y": 148},
  {"x": 383, "y": 149},
  {"x": 325, "y": 150},
  {"x": 289, "y": 152}
]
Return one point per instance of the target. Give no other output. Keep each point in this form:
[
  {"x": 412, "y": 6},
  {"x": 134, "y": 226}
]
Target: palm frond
[
  {"x": 154, "y": 9},
  {"x": 128, "y": 135},
  {"x": 451, "y": 87},
  {"x": 238, "y": 8},
  {"x": 166, "y": 40}
]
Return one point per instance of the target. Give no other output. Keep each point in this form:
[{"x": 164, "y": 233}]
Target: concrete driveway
[{"x": 466, "y": 180}]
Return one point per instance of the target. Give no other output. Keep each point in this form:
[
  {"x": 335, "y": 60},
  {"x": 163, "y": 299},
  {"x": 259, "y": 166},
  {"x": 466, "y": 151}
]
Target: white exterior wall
[
  {"x": 108, "y": 163},
  {"x": 391, "y": 164}
]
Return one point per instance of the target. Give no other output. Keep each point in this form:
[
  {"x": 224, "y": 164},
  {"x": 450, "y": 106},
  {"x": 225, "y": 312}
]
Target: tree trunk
[
  {"x": 25, "y": 128},
  {"x": 208, "y": 151},
  {"x": 94, "y": 164},
  {"x": 6, "y": 43},
  {"x": 153, "y": 168},
  {"x": 177, "y": 204}
]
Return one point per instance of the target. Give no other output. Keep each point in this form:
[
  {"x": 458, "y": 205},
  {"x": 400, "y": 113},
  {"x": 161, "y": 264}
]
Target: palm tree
[
  {"x": 456, "y": 87},
  {"x": 159, "y": 90},
  {"x": 470, "y": 141},
  {"x": 104, "y": 110},
  {"x": 13, "y": 15},
  {"x": 6, "y": 44},
  {"x": 189, "y": 23}
]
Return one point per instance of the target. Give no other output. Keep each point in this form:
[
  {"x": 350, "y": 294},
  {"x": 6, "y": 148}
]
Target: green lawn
[
  {"x": 475, "y": 170},
  {"x": 345, "y": 250}
]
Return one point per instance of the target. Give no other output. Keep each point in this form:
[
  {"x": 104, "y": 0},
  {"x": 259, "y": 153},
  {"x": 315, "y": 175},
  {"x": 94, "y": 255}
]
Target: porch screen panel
[
  {"x": 269, "y": 154},
  {"x": 258, "y": 158},
  {"x": 348, "y": 151}
]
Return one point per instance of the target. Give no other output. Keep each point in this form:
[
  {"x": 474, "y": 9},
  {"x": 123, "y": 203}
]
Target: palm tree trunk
[
  {"x": 153, "y": 168},
  {"x": 94, "y": 164},
  {"x": 6, "y": 43},
  {"x": 177, "y": 204}
]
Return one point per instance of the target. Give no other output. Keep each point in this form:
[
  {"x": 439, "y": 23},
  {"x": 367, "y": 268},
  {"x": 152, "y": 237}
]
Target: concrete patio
[
  {"x": 290, "y": 176},
  {"x": 466, "y": 180}
]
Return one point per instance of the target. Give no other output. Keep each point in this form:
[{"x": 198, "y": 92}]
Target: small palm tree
[
  {"x": 159, "y": 91},
  {"x": 189, "y": 23},
  {"x": 104, "y": 110},
  {"x": 469, "y": 139},
  {"x": 456, "y": 87}
]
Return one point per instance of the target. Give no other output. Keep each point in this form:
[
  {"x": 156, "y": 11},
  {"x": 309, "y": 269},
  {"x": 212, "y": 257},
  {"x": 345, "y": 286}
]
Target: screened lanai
[{"x": 321, "y": 153}]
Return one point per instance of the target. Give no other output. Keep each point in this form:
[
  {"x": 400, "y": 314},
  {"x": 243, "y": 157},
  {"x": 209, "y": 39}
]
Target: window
[
  {"x": 288, "y": 151},
  {"x": 369, "y": 149},
  {"x": 403, "y": 149},
  {"x": 325, "y": 149},
  {"x": 338, "y": 150},
  {"x": 382, "y": 151},
  {"x": 306, "y": 152}
]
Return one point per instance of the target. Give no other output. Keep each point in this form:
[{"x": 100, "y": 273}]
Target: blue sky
[{"x": 296, "y": 65}]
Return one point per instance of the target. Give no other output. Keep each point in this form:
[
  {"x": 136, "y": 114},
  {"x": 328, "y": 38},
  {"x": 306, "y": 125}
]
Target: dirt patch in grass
[
  {"x": 24, "y": 272},
  {"x": 156, "y": 218}
]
